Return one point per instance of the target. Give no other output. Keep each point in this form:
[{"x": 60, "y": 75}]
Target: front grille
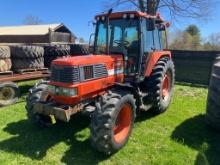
[
  {"x": 68, "y": 74},
  {"x": 100, "y": 71},
  {"x": 88, "y": 72},
  {"x": 65, "y": 74},
  {"x": 93, "y": 72}
]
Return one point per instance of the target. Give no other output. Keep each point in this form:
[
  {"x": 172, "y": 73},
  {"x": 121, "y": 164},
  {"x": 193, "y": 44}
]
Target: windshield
[{"x": 123, "y": 34}]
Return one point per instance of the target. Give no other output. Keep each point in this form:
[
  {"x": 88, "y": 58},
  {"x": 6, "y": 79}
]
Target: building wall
[
  {"x": 61, "y": 37},
  {"x": 52, "y": 37},
  {"x": 24, "y": 39}
]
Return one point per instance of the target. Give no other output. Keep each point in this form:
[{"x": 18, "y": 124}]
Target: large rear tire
[
  {"x": 37, "y": 95},
  {"x": 5, "y": 52},
  {"x": 112, "y": 122},
  {"x": 27, "y": 63},
  {"x": 5, "y": 65},
  {"x": 160, "y": 85},
  {"x": 53, "y": 52},
  {"x": 213, "y": 101},
  {"x": 77, "y": 49},
  {"x": 26, "y": 51}
]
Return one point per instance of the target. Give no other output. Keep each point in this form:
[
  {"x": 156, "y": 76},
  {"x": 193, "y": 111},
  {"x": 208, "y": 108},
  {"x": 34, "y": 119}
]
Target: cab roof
[{"x": 136, "y": 14}]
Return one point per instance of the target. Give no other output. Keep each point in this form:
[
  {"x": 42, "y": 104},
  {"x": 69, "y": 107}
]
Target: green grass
[{"x": 178, "y": 136}]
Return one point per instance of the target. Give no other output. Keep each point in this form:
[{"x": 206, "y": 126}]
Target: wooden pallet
[
  {"x": 25, "y": 71},
  {"x": 7, "y": 73}
]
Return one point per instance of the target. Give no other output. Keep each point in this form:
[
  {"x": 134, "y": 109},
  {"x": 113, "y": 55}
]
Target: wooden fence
[{"x": 193, "y": 66}]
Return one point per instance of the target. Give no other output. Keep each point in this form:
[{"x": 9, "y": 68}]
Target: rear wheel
[
  {"x": 113, "y": 121},
  {"x": 9, "y": 93},
  {"x": 160, "y": 85}
]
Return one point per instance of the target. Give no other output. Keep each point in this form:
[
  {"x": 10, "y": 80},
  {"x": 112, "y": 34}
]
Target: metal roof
[{"x": 31, "y": 29}]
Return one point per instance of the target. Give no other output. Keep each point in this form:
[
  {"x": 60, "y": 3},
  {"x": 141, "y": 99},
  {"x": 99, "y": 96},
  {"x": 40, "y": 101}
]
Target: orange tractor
[{"x": 129, "y": 71}]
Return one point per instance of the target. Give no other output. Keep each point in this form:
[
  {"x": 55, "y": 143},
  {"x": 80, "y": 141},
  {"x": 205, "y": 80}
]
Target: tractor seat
[{"x": 133, "y": 49}]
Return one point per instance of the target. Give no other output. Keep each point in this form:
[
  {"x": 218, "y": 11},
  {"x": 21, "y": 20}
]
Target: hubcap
[
  {"x": 166, "y": 86},
  {"x": 123, "y": 123},
  {"x": 7, "y": 93}
]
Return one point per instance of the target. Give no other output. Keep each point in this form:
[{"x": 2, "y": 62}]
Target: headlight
[
  {"x": 74, "y": 92},
  {"x": 68, "y": 91},
  {"x": 62, "y": 91},
  {"x": 65, "y": 92}
]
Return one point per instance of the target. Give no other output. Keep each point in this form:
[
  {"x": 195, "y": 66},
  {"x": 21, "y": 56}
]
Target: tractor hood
[{"x": 87, "y": 60}]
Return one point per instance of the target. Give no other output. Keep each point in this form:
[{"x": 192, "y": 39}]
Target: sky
[{"x": 76, "y": 15}]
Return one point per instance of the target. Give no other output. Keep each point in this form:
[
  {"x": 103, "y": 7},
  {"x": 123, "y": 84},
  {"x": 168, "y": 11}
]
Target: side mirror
[
  {"x": 91, "y": 39},
  {"x": 150, "y": 25},
  {"x": 92, "y": 22}
]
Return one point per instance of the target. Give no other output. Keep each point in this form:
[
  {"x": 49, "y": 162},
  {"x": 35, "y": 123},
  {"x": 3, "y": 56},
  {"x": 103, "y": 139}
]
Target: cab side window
[
  {"x": 147, "y": 37},
  {"x": 157, "y": 39}
]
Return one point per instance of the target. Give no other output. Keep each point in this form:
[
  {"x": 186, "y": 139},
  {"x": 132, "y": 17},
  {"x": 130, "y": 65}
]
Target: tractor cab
[{"x": 131, "y": 34}]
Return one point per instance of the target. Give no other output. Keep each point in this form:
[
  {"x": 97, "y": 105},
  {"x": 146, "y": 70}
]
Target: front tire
[
  {"x": 112, "y": 122},
  {"x": 36, "y": 95}
]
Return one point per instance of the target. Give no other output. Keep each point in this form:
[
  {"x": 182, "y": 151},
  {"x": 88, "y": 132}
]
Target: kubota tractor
[{"x": 129, "y": 71}]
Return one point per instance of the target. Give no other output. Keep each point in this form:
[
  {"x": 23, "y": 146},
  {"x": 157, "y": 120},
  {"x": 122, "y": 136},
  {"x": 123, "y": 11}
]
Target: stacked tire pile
[
  {"x": 52, "y": 52},
  {"x": 27, "y": 57},
  {"x": 213, "y": 101},
  {"x": 5, "y": 61},
  {"x": 77, "y": 49}
]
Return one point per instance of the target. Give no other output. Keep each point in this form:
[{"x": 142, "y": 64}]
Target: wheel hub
[
  {"x": 166, "y": 86},
  {"x": 123, "y": 124},
  {"x": 7, "y": 93}
]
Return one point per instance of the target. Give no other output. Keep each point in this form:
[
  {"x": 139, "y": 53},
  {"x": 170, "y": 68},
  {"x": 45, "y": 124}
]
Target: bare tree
[
  {"x": 32, "y": 20},
  {"x": 182, "y": 8}
]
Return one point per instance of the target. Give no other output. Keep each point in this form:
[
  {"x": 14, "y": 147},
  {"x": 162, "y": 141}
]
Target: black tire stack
[
  {"x": 52, "y": 52},
  {"x": 78, "y": 49},
  {"x": 213, "y": 101},
  {"x": 27, "y": 57},
  {"x": 5, "y": 61}
]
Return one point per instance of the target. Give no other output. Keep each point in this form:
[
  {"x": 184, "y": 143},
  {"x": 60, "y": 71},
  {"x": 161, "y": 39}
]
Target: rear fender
[{"x": 153, "y": 59}]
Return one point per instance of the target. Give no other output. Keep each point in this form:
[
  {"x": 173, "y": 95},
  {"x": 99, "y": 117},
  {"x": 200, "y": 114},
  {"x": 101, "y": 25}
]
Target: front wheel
[
  {"x": 37, "y": 94},
  {"x": 112, "y": 122}
]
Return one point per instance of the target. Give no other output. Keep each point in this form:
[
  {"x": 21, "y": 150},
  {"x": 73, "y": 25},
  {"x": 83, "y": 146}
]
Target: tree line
[{"x": 191, "y": 39}]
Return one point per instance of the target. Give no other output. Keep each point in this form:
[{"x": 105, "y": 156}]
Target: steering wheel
[{"x": 121, "y": 43}]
